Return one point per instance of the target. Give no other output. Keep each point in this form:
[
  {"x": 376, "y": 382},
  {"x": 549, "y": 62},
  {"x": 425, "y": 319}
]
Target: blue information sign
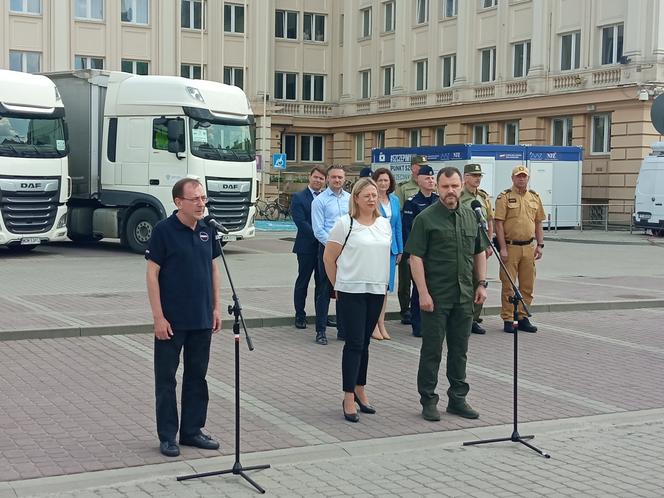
[{"x": 279, "y": 161}]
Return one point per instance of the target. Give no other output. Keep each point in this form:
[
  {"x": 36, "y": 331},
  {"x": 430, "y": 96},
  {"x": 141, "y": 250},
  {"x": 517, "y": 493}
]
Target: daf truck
[
  {"x": 33, "y": 162},
  {"x": 132, "y": 137},
  {"x": 649, "y": 194}
]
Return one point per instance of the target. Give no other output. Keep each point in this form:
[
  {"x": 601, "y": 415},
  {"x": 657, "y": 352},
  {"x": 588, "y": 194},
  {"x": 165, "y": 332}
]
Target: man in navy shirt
[{"x": 183, "y": 288}]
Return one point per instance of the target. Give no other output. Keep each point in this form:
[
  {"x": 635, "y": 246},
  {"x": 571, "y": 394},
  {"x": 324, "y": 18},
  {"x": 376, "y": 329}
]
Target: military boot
[
  {"x": 463, "y": 410},
  {"x": 430, "y": 413}
]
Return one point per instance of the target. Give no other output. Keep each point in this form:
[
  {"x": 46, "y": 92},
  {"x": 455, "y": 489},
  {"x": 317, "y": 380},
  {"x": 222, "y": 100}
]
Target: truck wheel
[{"x": 138, "y": 229}]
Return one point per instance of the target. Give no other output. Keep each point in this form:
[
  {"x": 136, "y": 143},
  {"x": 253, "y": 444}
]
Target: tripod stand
[
  {"x": 236, "y": 311},
  {"x": 515, "y": 300}
]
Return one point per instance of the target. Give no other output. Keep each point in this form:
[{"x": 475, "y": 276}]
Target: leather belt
[{"x": 519, "y": 242}]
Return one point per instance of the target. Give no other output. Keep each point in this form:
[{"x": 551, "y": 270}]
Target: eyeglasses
[{"x": 202, "y": 199}]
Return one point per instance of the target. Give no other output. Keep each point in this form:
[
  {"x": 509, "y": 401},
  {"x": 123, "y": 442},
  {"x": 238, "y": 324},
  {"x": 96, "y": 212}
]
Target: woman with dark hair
[{"x": 390, "y": 208}]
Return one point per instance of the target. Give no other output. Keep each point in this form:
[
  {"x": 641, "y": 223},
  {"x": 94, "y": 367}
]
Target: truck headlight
[{"x": 62, "y": 221}]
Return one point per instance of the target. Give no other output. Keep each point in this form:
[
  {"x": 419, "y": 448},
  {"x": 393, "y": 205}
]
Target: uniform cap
[
  {"x": 365, "y": 172},
  {"x": 520, "y": 170},
  {"x": 473, "y": 169},
  {"x": 416, "y": 159},
  {"x": 425, "y": 170}
]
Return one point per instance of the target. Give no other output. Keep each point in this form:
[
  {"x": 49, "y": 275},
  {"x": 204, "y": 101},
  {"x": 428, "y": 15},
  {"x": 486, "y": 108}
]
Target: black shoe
[
  {"x": 479, "y": 320},
  {"x": 300, "y": 323},
  {"x": 417, "y": 334},
  {"x": 331, "y": 323},
  {"x": 202, "y": 441},
  {"x": 477, "y": 329},
  {"x": 351, "y": 417},
  {"x": 508, "y": 327},
  {"x": 320, "y": 338},
  {"x": 464, "y": 410},
  {"x": 365, "y": 408},
  {"x": 406, "y": 318},
  {"x": 340, "y": 337},
  {"x": 526, "y": 326},
  {"x": 169, "y": 449}
]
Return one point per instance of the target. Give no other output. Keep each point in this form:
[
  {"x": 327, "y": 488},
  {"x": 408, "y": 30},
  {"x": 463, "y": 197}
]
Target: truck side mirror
[{"x": 176, "y": 136}]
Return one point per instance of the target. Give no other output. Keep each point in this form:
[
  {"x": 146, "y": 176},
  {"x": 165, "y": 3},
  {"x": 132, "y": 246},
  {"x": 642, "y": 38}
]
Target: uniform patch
[
  {"x": 204, "y": 236},
  {"x": 511, "y": 200}
]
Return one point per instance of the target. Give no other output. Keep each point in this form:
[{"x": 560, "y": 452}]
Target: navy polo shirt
[{"x": 185, "y": 259}]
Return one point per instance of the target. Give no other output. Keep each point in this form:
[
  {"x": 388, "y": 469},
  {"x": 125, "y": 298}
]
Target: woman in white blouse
[{"x": 356, "y": 261}]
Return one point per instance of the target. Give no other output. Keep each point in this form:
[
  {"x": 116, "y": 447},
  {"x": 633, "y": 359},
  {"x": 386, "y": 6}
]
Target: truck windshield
[
  {"x": 223, "y": 141},
  {"x": 32, "y": 137}
]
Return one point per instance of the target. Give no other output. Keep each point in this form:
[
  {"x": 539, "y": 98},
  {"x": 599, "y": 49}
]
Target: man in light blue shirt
[{"x": 330, "y": 205}]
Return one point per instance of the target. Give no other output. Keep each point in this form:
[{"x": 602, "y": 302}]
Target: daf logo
[
  {"x": 230, "y": 186},
  {"x": 30, "y": 186}
]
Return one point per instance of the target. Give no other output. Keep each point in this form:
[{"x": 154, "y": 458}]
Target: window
[
  {"x": 28, "y": 62},
  {"x": 285, "y": 24},
  {"x": 233, "y": 18},
  {"x": 388, "y": 80},
  {"x": 488, "y": 68},
  {"x": 83, "y": 62},
  {"x": 192, "y": 15},
  {"x": 341, "y": 30},
  {"x": 612, "y": 44},
  {"x": 365, "y": 84},
  {"x": 415, "y": 137},
  {"x": 285, "y": 86},
  {"x": 388, "y": 15},
  {"x": 421, "y": 75},
  {"x": 313, "y": 87},
  {"x": 487, "y": 4},
  {"x": 601, "y": 134},
  {"x": 314, "y": 27},
  {"x": 451, "y": 8},
  {"x": 135, "y": 11},
  {"x": 234, "y": 76},
  {"x": 365, "y": 17},
  {"x": 512, "y": 133},
  {"x": 570, "y": 51},
  {"x": 25, "y": 6},
  {"x": 561, "y": 131},
  {"x": 136, "y": 67},
  {"x": 89, "y": 9},
  {"x": 521, "y": 59},
  {"x": 289, "y": 147},
  {"x": 480, "y": 134},
  {"x": 359, "y": 148},
  {"x": 449, "y": 70},
  {"x": 341, "y": 84},
  {"x": 440, "y": 135},
  {"x": 311, "y": 148},
  {"x": 160, "y": 134},
  {"x": 422, "y": 11},
  {"x": 192, "y": 71},
  {"x": 379, "y": 139}
]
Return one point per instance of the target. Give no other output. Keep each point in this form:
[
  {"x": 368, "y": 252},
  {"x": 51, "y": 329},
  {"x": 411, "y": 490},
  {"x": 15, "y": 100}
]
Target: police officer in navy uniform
[
  {"x": 183, "y": 284},
  {"x": 413, "y": 206}
]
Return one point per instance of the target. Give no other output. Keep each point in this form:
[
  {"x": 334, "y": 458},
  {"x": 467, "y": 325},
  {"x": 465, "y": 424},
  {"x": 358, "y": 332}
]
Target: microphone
[
  {"x": 477, "y": 207},
  {"x": 212, "y": 223}
]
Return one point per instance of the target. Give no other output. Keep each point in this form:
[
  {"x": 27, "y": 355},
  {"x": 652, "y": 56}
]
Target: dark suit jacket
[{"x": 305, "y": 242}]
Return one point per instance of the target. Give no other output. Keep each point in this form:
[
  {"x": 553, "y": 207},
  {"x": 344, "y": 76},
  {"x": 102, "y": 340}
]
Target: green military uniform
[
  {"x": 446, "y": 240},
  {"x": 407, "y": 189}
]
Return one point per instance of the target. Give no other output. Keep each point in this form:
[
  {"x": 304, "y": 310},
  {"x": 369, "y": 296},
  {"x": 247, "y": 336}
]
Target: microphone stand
[
  {"x": 515, "y": 300},
  {"x": 236, "y": 311}
]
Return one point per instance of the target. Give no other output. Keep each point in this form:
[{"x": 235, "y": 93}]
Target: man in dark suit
[{"x": 306, "y": 245}]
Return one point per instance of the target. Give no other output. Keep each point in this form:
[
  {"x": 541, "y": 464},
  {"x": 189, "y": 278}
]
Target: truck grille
[
  {"x": 229, "y": 200},
  {"x": 25, "y": 211}
]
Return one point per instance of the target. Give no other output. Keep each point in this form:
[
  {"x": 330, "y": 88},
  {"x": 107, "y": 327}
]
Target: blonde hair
[{"x": 358, "y": 187}]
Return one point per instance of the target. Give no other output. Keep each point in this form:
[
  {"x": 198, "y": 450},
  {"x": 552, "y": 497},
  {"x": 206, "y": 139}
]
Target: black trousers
[
  {"x": 196, "y": 345},
  {"x": 306, "y": 265},
  {"x": 359, "y": 315}
]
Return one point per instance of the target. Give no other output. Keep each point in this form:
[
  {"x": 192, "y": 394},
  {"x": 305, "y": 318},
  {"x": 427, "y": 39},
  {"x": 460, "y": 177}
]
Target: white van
[{"x": 649, "y": 196}]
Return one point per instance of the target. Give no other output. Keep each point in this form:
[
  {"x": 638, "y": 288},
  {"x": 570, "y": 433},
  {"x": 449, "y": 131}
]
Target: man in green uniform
[
  {"x": 444, "y": 246},
  {"x": 472, "y": 176},
  {"x": 404, "y": 191}
]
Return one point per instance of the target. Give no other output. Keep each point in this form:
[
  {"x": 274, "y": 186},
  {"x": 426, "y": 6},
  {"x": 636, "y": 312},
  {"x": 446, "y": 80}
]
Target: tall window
[
  {"x": 135, "y": 67},
  {"x": 561, "y": 131},
  {"x": 313, "y": 87},
  {"x": 191, "y": 71},
  {"x": 521, "y": 59},
  {"x": 289, "y": 147},
  {"x": 285, "y": 86},
  {"x": 612, "y": 43},
  {"x": 488, "y": 65},
  {"x": 512, "y": 133},
  {"x": 285, "y": 24},
  {"x": 388, "y": 14},
  {"x": 481, "y": 134},
  {"x": 359, "y": 147},
  {"x": 233, "y": 18},
  {"x": 440, "y": 135},
  {"x": 449, "y": 70},
  {"x": 486, "y": 4},
  {"x": 365, "y": 84},
  {"x": 570, "y": 51},
  {"x": 451, "y": 8},
  {"x": 84, "y": 62},
  {"x": 311, "y": 148},
  {"x": 415, "y": 137},
  {"x": 314, "y": 27},
  {"x": 234, "y": 76},
  {"x": 422, "y": 11},
  {"x": 365, "y": 28},
  {"x": 192, "y": 15},
  {"x": 25, "y": 6},
  {"x": 27, "y": 62},
  {"x": 421, "y": 75},
  {"x": 135, "y": 11},
  {"x": 379, "y": 139},
  {"x": 601, "y": 134},
  {"x": 388, "y": 80},
  {"x": 89, "y": 9}
]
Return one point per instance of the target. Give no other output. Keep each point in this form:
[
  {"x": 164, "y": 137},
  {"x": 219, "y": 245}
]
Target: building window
[
  {"x": 415, "y": 137},
  {"x": 285, "y": 85},
  {"x": 612, "y": 44},
  {"x": 359, "y": 148},
  {"x": 233, "y": 18},
  {"x": 488, "y": 67},
  {"x": 289, "y": 147},
  {"x": 285, "y": 24},
  {"x": 487, "y": 4},
  {"x": 314, "y": 27},
  {"x": 135, "y": 11},
  {"x": 440, "y": 135},
  {"x": 313, "y": 87},
  {"x": 601, "y": 134},
  {"x": 234, "y": 76},
  {"x": 421, "y": 75},
  {"x": 561, "y": 131},
  {"x": 341, "y": 30},
  {"x": 25, "y": 7},
  {"x": 512, "y": 133},
  {"x": 365, "y": 84},
  {"x": 379, "y": 139},
  {"x": 83, "y": 62},
  {"x": 365, "y": 17},
  {"x": 388, "y": 14},
  {"x": 388, "y": 80},
  {"x": 422, "y": 11},
  {"x": 570, "y": 51},
  {"x": 89, "y": 9},
  {"x": 451, "y": 8},
  {"x": 341, "y": 84},
  {"x": 27, "y": 62},
  {"x": 192, "y": 15},
  {"x": 521, "y": 59},
  {"x": 449, "y": 70},
  {"x": 311, "y": 148},
  {"x": 135, "y": 67},
  {"x": 481, "y": 134},
  {"x": 191, "y": 71}
]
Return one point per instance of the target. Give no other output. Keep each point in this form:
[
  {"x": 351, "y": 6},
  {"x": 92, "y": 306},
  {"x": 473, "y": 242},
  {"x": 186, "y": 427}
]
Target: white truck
[
  {"x": 132, "y": 137},
  {"x": 649, "y": 195},
  {"x": 33, "y": 162}
]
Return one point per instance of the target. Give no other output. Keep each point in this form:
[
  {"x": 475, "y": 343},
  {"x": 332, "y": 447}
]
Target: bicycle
[{"x": 273, "y": 210}]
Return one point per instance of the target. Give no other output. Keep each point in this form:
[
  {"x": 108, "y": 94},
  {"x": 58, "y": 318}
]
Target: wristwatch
[
  {"x": 483, "y": 283},
  {"x": 541, "y": 246}
]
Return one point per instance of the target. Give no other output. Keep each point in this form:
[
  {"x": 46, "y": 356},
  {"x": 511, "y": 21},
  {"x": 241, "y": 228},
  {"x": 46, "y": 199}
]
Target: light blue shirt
[{"x": 325, "y": 210}]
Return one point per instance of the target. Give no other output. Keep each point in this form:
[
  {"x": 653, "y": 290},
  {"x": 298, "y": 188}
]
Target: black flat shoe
[
  {"x": 202, "y": 441},
  {"x": 351, "y": 417},
  {"x": 169, "y": 448},
  {"x": 321, "y": 338},
  {"x": 365, "y": 408}
]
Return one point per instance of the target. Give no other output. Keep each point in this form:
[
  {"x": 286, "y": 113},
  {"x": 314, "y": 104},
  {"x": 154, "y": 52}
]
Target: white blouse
[{"x": 387, "y": 208}]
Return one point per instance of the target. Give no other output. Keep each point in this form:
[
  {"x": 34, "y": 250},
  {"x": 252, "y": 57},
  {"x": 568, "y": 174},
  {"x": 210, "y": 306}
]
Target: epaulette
[
  {"x": 506, "y": 191},
  {"x": 534, "y": 193},
  {"x": 483, "y": 193},
  {"x": 411, "y": 197}
]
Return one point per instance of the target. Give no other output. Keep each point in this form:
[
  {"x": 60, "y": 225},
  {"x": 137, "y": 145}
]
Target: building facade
[{"x": 331, "y": 79}]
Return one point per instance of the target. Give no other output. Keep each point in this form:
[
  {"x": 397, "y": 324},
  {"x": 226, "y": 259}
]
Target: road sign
[{"x": 279, "y": 161}]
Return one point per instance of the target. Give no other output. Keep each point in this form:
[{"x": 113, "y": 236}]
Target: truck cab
[{"x": 649, "y": 195}]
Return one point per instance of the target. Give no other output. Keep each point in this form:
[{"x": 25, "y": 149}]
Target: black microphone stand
[
  {"x": 515, "y": 300},
  {"x": 236, "y": 311}
]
